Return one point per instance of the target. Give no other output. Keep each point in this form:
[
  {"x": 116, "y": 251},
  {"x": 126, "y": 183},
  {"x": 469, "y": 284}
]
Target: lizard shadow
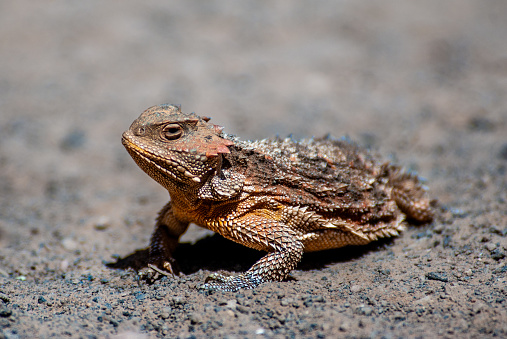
[{"x": 216, "y": 253}]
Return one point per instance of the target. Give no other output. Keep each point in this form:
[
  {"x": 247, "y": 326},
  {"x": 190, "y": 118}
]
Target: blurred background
[
  {"x": 424, "y": 83},
  {"x": 410, "y": 78}
]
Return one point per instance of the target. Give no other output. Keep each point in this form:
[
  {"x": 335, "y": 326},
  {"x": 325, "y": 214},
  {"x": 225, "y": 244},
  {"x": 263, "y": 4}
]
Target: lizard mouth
[{"x": 154, "y": 165}]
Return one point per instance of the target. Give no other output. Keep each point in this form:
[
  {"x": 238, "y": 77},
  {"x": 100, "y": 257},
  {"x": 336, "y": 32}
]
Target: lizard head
[{"x": 175, "y": 148}]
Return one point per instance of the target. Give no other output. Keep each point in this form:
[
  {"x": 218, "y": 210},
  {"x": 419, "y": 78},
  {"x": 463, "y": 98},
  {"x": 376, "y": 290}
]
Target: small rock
[
  {"x": 355, "y": 288},
  {"x": 178, "y": 301},
  {"x": 69, "y": 244},
  {"x": 425, "y": 300},
  {"x": 166, "y": 313},
  {"x": 231, "y": 303},
  {"x": 439, "y": 229},
  {"x": 437, "y": 276},
  {"x": 478, "y": 307},
  {"x": 102, "y": 223},
  {"x": 64, "y": 265},
  {"x": 308, "y": 302},
  {"x": 242, "y": 309},
  {"x": 419, "y": 311},
  {"x": 344, "y": 326},
  {"x": 447, "y": 241},
  {"x": 195, "y": 319},
  {"x": 458, "y": 213},
  {"x": 490, "y": 246},
  {"x": 5, "y": 312},
  {"x": 496, "y": 230},
  {"x": 230, "y": 313},
  {"x": 139, "y": 295},
  {"x": 319, "y": 299},
  {"x": 497, "y": 254},
  {"x": 398, "y": 316},
  {"x": 499, "y": 270},
  {"x": 365, "y": 310}
]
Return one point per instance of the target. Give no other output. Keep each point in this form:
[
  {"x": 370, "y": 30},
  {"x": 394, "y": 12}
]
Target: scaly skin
[{"x": 283, "y": 197}]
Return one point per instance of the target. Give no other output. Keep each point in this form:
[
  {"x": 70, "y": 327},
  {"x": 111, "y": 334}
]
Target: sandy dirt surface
[{"x": 423, "y": 83}]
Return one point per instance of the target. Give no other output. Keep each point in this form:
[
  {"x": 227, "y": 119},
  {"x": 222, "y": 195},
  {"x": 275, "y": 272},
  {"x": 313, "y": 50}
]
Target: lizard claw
[{"x": 154, "y": 272}]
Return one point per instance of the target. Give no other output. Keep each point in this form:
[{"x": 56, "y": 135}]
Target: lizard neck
[{"x": 184, "y": 200}]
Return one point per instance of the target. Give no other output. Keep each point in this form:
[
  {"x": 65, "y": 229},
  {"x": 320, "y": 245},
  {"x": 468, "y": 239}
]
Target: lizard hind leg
[
  {"x": 285, "y": 252},
  {"x": 411, "y": 197},
  {"x": 274, "y": 266}
]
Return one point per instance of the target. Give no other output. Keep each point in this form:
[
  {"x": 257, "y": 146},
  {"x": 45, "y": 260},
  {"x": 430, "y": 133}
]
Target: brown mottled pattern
[{"x": 284, "y": 197}]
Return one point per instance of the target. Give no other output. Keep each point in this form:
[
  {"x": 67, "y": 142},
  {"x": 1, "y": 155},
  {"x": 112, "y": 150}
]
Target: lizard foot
[
  {"x": 220, "y": 282},
  {"x": 153, "y": 272}
]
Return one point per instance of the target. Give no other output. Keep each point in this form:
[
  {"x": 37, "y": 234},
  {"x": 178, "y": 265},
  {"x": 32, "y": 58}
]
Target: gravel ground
[{"x": 423, "y": 83}]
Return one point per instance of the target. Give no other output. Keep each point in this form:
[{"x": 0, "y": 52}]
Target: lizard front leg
[
  {"x": 261, "y": 233},
  {"x": 164, "y": 241}
]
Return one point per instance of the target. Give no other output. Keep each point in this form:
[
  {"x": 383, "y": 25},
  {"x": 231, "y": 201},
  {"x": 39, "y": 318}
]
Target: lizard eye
[{"x": 172, "y": 132}]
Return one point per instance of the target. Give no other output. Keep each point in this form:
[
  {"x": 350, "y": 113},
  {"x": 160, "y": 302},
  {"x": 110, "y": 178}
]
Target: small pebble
[
  {"x": 243, "y": 309},
  {"x": 497, "y": 254},
  {"x": 5, "y": 312},
  {"x": 231, "y": 304},
  {"x": 102, "y": 223},
  {"x": 344, "y": 326},
  {"x": 178, "y": 300},
  {"x": 64, "y": 265},
  {"x": 69, "y": 244},
  {"x": 195, "y": 318},
  {"x": 490, "y": 246},
  {"x": 399, "y": 316},
  {"x": 355, "y": 288},
  {"x": 260, "y": 331},
  {"x": 437, "y": 276},
  {"x": 366, "y": 310},
  {"x": 230, "y": 313}
]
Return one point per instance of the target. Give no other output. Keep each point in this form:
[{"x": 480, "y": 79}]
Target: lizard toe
[
  {"x": 220, "y": 282},
  {"x": 153, "y": 272}
]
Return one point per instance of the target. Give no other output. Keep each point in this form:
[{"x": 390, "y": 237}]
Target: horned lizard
[{"x": 281, "y": 196}]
